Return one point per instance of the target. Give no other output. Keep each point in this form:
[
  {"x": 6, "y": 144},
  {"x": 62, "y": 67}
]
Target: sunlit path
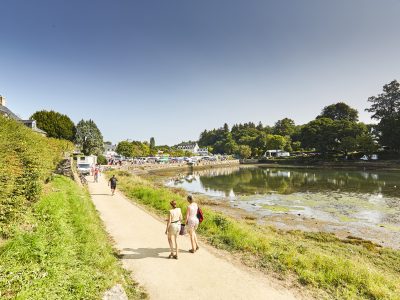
[{"x": 141, "y": 240}]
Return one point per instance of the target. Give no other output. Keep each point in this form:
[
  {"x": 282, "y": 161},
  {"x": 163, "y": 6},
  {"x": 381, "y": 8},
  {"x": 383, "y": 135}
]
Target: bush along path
[
  {"x": 144, "y": 249},
  {"x": 61, "y": 251}
]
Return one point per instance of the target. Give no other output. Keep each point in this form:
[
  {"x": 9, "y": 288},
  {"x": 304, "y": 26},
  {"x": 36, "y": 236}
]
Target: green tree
[
  {"x": 152, "y": 143},
  {"x": 89, "y": 137},
  {"x": 386, "y": 108},
  {"x": 140, "y": 149},
  {"x": 367, "y": 144},
  {"x": 153, "y": 150},
  {"x": 386, "y": 104},
  {"x": 226, "y": 128},
  {"x": 326, "y": 134},
  {"x": 339, "y": 111},
  {"x": 276, "y": 142},
  {"x": 284, "y": 127},
  {"x": 55, "y": 124},
  {"x": 101, "y": 159},
  {"x": 243, "y": 151},
  {"x": 348, "y": 144},
  {"x": 296, "y": 146},
  {"x": 125, "y": 148},
  {"x": 319, "y": 134}
]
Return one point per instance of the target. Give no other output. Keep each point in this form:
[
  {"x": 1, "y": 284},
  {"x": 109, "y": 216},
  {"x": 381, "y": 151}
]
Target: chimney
[{"x": 2, "y": 101}]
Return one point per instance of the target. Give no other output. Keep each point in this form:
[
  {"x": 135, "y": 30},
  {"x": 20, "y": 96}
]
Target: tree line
[
  {"x": 142, "y": 149},
  {"x": 86, "y": 134},
  {"x": 335, "y": 130}
]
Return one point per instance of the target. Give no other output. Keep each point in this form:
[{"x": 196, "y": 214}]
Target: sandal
[
  {"x": 197, "y": 248},
  {"x": 191, "y": 251},
  {"x": 171, "y": 255},
  {"x": 176, "y": 256}
]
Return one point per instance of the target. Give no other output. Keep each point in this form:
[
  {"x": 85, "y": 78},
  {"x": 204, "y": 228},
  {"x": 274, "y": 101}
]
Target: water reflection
[
  {"x": 352, "y": 200},
  {"x": 248, "y": 181}
]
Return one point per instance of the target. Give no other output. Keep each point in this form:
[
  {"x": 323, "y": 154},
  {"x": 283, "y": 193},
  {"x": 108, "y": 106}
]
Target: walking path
[{"x": 144, "y": 247}]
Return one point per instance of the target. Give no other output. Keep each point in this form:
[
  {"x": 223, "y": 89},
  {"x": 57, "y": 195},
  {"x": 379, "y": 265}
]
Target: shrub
[
  {"x": 101, "y": 160},
  {"x": 27, "y": 159}
]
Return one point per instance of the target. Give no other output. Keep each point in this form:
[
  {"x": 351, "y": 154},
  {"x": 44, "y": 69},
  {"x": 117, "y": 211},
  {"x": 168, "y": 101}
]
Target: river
[{"x": 365, "y": 204}]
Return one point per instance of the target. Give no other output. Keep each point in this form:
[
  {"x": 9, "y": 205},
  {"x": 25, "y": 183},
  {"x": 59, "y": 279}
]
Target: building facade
[{"x": 194, "y": 148}]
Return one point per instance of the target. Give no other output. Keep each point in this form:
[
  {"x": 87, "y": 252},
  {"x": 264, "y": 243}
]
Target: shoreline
[
  {"x": 387, "y": 165},
  {"x": 154, "y": 168}
]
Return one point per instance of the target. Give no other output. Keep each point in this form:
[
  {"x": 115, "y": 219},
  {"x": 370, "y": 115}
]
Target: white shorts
[{"x": 174, "y": 228}]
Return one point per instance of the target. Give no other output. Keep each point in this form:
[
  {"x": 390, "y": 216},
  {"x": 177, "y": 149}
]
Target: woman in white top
[
  {"x": 173, "y": 227},
  {"x": 192, "y": 223}
]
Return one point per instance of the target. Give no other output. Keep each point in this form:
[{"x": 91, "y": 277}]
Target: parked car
[{"x": 209, "y": 158}]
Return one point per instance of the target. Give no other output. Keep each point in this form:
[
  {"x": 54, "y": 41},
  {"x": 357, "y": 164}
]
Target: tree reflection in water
[
  {"x": 349, "y": 198},
  {"x": 259, "y": 180}
]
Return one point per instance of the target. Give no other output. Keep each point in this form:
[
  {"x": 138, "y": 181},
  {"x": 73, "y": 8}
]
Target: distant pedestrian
[
  {"x": 96, "y": 174},
  {"x": 92, "y": 170},
  {"x": 113, "y": 184},
  {"x": 192, "y": 223},
  {"x": 173, "y": 228}
]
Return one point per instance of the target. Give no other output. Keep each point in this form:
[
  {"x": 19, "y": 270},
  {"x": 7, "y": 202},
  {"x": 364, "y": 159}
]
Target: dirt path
[{"x": 141, "y": 240}]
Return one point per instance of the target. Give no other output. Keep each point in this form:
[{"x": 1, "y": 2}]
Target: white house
[
  {"x": 202, "y": 151},
  {"x": 194, "y": 148},
  {"x": 109, "y": 150},
  {"x": 189, "y": 147}
]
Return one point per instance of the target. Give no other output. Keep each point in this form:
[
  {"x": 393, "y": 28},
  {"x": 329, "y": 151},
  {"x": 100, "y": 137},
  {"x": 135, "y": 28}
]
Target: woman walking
[
  {"x": 173, "y": 227},
  {"x": 192, "y": 223}
]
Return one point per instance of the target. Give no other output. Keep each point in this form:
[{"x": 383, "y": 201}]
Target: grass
[
  {"x": 62, "y": 252},
  {"x": 340, "y": 269}
]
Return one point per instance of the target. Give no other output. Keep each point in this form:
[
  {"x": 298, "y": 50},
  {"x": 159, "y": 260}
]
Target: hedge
[{"x": 27, "y": 159}]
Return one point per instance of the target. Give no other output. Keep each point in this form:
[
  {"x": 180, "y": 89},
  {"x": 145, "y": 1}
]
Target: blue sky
[{"x": 171, "y": 69}]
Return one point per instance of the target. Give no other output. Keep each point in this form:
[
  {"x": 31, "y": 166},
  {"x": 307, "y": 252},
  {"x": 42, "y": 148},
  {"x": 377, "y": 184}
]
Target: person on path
[
  {"x": 113, "y": 183},
  {"x": 173, "y": 228},
  {"x": 96, "y": 174},
  {"x": 192, "y": 223}
]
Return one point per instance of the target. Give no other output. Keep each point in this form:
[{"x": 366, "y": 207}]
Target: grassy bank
[
  {"x": 341, "y": 269},
  {"x": 61, "y": 251},
  {"x": 27, "y": 159}
]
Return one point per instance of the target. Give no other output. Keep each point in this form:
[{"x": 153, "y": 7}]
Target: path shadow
[
  {"x": 100, "y": 195},
  {"x": 140, "y": 253}
]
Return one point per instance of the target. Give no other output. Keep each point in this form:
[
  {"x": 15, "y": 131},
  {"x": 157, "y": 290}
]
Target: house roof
[
  {"x": 5, "y": 111},
  {"x": 8, "y": 113},
  {"x": 187, "y": 146},
  {"x": 39, "y": 130}
]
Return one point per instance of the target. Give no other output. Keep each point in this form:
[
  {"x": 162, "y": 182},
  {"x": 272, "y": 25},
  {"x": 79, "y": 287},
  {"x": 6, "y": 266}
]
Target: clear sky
[{"x": 171, "y": 69}]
